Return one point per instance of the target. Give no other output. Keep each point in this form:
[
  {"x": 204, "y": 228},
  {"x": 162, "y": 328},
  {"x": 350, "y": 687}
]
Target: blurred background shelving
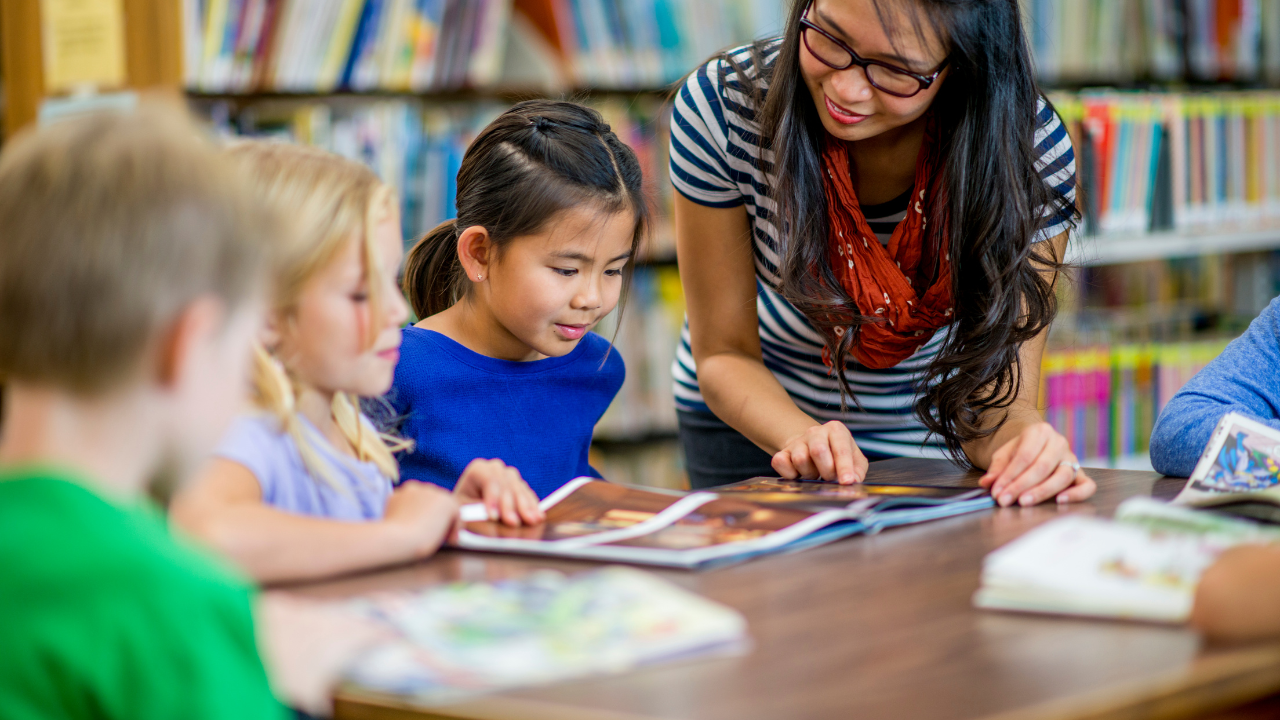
[{"x": 1169, "y": 104}]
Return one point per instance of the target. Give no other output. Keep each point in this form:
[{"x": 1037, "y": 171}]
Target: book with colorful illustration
[
  {"x": 593, "y": 519},
  {"x": 448, "y": 642},
  {"x": 1095, "y": 567},
  {"x": 1239, "y": 471}
]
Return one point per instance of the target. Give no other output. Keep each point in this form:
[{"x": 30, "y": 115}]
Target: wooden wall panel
[
  {"x": 21, "y": 62},
  {"x": 153, "y": 53}
]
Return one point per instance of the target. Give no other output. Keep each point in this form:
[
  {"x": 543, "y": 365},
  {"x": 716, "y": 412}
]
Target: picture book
[
  {"x": 451, "y": 641},
  {"x": 1239, "y": 471},
  {"x": 1143, "y": 565},
  {"x": 592, "y": 519},
  {"x": 1089, "y": 566}
]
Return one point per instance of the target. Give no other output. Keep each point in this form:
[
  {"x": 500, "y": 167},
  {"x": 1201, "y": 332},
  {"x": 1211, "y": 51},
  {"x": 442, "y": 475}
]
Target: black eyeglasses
[{"x": 836, "y": 55}]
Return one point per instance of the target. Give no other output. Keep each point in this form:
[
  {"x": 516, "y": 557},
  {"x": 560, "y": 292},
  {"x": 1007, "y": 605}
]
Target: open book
[
  {"x": 1239, "y": 471},
  {"x": 447, "y": 642},
  {"x": 1144, "y": 565},
  {"x": 597, "y": 520}
]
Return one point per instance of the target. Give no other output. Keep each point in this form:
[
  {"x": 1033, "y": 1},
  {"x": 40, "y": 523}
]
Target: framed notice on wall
[{"x": 83, "y": 43}]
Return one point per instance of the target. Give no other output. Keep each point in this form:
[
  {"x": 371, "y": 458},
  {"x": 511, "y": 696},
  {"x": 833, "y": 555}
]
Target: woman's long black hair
[{"x": 995, "y": 201}]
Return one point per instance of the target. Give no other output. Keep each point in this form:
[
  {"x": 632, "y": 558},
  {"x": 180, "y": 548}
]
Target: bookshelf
[
  {"x": 1093, "y": 250},
  {"x": 407, "y": 103}
]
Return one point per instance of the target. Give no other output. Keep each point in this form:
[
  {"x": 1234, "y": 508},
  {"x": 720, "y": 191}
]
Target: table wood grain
[{"x": 880, "y": 627}]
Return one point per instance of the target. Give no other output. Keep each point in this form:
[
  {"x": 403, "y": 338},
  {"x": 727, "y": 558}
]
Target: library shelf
[{"x": 1094, "y": 250}]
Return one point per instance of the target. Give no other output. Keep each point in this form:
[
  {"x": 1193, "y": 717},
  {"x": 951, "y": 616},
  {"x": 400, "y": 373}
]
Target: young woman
[{"x": 869, "y": 217}]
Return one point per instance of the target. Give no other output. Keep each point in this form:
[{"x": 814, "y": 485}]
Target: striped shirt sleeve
[
  {"x": 1057, "y": 166},
  {"x": 699, "y": 141}
]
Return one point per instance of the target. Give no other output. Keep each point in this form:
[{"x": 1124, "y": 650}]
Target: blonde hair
[
  {"x": 332, "y": 201},
  {"x": 113, "y": 223}
]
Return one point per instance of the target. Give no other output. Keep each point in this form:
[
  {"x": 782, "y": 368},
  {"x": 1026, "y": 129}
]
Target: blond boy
[{"x": 130, "y": 283}]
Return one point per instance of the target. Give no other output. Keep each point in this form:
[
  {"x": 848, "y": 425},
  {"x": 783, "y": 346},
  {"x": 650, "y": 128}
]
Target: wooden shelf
[
  {"x": 458, "y": 95},
  {"x": 1090, "y": 250}
]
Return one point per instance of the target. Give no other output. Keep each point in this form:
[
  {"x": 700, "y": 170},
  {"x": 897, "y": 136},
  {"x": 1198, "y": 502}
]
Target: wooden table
[{"x": 882, "y": 627}]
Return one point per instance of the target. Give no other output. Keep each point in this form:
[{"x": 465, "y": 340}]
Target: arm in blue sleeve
[{"x": 1245, "y": 378}]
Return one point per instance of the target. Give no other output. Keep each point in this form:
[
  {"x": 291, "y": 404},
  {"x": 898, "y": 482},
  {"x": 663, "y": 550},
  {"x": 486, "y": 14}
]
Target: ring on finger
[{"x": 1074, "y": 465}]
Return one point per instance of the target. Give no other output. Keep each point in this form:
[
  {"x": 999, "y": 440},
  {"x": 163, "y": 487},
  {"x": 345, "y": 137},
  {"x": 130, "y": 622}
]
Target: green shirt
[{"x": 103, "y": 615}]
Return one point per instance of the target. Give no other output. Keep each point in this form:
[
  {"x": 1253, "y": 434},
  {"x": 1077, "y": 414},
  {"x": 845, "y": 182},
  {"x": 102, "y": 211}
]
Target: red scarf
[{"x": 884, "y": 282}]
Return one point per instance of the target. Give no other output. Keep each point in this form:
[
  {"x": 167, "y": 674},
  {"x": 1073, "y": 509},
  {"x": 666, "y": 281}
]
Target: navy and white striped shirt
[{"x": 716, "y": 161}]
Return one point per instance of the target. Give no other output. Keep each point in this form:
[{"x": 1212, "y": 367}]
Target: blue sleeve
[{"x": 1245, "y": 378}]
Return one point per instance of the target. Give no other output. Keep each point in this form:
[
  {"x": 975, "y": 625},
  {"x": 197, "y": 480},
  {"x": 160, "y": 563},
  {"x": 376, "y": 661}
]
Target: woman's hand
[
  {"x": 825, "y": 452},
  {"x": 504, "y": 493},
  {"x": 1035, "y": 466}
]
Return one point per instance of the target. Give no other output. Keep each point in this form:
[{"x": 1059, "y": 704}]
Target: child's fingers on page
[
  {"x": 509, "y": 514},
  {"x": 528, "y": 508}
]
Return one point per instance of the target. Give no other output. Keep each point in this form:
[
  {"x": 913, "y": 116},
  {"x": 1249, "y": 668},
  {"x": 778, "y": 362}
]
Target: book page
[
  {"x": 1243, "y": 456},
  {"x": 594, "y": 507},
  {"x": 1089, "y": 566},
  {"x": 822, "y": 495},
  {"x": 719, "y": 522}
]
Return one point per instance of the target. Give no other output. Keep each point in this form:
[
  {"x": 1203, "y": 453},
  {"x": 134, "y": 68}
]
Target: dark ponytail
[
  {"x": 433, "y": 279},
  {"x": 536, "y": 160}
]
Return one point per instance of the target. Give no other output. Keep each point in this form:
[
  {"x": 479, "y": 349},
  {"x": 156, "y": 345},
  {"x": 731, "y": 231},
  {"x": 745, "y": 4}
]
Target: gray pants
[{"x": 716, "y": 454}]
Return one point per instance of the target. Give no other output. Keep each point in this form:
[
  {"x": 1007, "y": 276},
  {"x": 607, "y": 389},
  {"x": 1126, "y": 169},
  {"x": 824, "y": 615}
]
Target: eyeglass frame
[{"x": 855, "y": 59}]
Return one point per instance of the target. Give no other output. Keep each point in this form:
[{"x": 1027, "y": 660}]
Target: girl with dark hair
[
  {"x": 871, "y": 214},
  {"x": 503, "y": 363}
]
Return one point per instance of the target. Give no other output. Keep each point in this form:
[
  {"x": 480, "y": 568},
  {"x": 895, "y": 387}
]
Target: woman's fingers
[
  {"x": 999, "y": 461},
  {"x": 1030, "y": 444},
  {"x": 803, "y": 463},
  {"x": 1058, "y": 480},
  {"x": 783, "y": 466},
  {"x": 1053, "y": 453},
  {"x": 850, "y": 462},
  {"x": 1083, "y": 489},
  {"x": 824, "y": 462}
]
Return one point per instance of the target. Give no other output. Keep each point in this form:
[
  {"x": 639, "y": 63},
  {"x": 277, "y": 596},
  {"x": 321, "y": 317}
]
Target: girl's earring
[{"x": 479, "y": 277}]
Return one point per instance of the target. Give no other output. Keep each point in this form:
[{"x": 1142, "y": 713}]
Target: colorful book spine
[
  {"x": 428, "y": 45},
  {"x": 1105, "y": 41},
  {"x": 1187, "y": 162},
  {"x": 1105, "y": 399}
]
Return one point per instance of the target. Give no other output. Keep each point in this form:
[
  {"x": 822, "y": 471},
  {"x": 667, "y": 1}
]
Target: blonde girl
[{"x": 306, "y": 487}]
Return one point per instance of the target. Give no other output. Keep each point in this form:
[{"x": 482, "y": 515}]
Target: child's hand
[
  {"x": 425, "y": 513},
  {"x": 504, "y": 493}
]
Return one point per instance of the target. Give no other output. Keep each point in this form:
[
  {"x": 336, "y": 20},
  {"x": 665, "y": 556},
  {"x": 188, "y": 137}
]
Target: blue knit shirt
[
  {"x": 538, "y": 416},
  {"x": 1245, "y": 378}
]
